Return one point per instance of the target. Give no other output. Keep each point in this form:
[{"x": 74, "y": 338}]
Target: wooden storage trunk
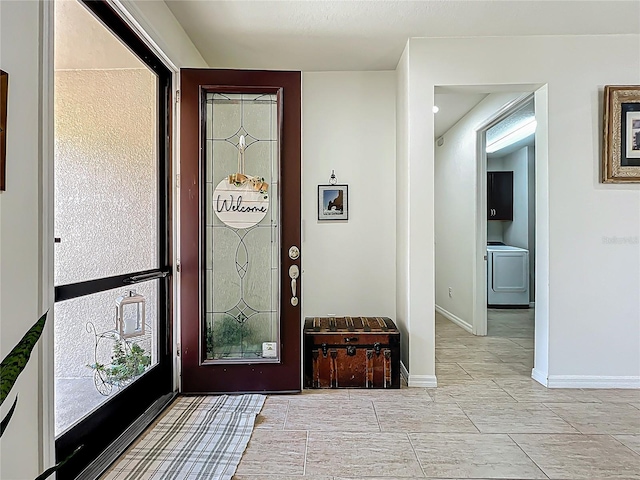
[{"x": 351, "y": 352}]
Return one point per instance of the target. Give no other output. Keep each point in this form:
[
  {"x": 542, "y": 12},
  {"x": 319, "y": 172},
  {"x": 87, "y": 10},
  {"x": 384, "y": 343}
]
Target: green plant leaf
[
  {"x": 57, "y": 467},
  {"x": 5, "y": 420},
  {"x": 13, "y": 364}
]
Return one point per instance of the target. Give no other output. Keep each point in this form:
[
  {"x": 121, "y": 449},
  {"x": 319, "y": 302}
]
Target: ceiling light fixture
[
  {"x": 521, "y": 131},
  {"x": 436, "y": 109}
]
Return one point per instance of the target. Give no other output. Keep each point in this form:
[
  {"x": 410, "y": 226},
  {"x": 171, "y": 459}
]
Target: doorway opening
[
  {"x": 112, "y": 313},
  {"x": 509, "y": 158},
  {"x": 485, "y": 203}
]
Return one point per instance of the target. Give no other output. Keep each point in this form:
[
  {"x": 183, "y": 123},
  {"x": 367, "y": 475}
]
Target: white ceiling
[
  {"x": 315, "y": 35},
  {"x": 453, "y": 106},
  {"x": 455, "y": 101}
]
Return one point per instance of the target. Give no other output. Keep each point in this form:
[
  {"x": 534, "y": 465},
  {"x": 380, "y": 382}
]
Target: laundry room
[
  {"x": 511, "y": 189},
  {"x": 510, "y": 150}
]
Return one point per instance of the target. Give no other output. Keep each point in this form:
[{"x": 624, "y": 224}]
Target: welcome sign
[{"x": 240, "y": 204}]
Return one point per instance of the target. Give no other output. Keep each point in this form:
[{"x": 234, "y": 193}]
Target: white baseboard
[
  {"x": 423, "y": 381},
  {"x": 457, "y": 320},
  {"x": 540, "y": 377},
  {"x": 418, "y": 381},
  {"x": 404, "y": 373},
  {"x": 592, "y": 381}
]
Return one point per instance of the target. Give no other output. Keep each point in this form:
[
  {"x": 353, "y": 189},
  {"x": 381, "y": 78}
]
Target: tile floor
[{"x": 487, "y": 419}]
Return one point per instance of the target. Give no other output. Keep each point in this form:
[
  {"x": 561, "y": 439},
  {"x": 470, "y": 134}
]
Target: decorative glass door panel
[{"x": 242, "y": 265}]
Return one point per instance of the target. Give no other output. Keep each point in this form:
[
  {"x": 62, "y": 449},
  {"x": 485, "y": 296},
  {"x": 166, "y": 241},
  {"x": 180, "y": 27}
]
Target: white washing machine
[{"x": 507, "y": 276}]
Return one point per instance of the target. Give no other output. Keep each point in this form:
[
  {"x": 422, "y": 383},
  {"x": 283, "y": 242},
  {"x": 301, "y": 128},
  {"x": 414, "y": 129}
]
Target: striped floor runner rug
[{"x": 198, "y": 438}]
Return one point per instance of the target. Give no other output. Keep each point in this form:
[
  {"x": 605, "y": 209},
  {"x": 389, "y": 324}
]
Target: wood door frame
[{"x": 269, "y": 377}]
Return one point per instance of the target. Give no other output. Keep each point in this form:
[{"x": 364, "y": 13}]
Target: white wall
[
  {"x": 20, "y": 245},
  {"x": 495, "y": 233},
  {"x": 415, "y": 200},
  {"x": 455, "y": 171},
  {"x": 349, "y": 126},
  {"x": 593, "y": 306},
  {"x": 516, "y": 232},
  {"x": 493, "y": 164},
  {"x": 402, "y": 204}
]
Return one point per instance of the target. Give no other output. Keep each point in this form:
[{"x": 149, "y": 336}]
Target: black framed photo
[
  {"x": 333, "y": 202},
  {"x": 621, "y": 152}
]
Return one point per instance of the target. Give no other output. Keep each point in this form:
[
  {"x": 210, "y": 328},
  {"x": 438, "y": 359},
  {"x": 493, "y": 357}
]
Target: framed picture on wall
[
  {"x": 621, "y": 145},
  {"x": 4, "y": 87},
  {"x": 333, "y": 202}
]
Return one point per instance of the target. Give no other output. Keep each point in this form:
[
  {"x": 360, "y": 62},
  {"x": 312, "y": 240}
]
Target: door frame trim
[
  {"x": 46, "y": 349},
  {"x": 127, "y": 17}
]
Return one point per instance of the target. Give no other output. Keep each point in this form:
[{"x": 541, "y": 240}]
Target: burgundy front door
[{"x": 240, "y": 231}]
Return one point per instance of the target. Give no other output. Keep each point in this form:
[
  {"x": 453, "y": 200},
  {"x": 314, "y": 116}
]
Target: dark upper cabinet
[{"x": 499, "y": 195}]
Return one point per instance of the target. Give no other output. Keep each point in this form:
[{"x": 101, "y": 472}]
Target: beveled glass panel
[
  {"x": 258, "y": 155},
  {"x": 258, "y": 285},
  {"x": 255, "y": 112},
  {"x": 241, "y": 266},
  {"x": 225, "y": 112}
]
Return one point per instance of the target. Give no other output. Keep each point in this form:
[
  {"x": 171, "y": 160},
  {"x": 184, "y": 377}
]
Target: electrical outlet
[{"x": 450, "y": 292}]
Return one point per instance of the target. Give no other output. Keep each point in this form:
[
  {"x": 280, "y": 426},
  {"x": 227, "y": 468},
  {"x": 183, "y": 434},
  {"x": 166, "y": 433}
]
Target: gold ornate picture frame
[{"x": 621, "y": 145}]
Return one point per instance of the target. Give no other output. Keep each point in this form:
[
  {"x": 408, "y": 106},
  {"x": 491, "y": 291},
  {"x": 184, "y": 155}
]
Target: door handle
[
  {"x": 294, "y": 273},
  {"x": 146, "y": 277}
]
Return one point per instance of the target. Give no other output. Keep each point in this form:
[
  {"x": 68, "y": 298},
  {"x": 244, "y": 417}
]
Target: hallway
[
  {"x": 506, "y": 351},
  {"x": 486, "y": 419}
]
